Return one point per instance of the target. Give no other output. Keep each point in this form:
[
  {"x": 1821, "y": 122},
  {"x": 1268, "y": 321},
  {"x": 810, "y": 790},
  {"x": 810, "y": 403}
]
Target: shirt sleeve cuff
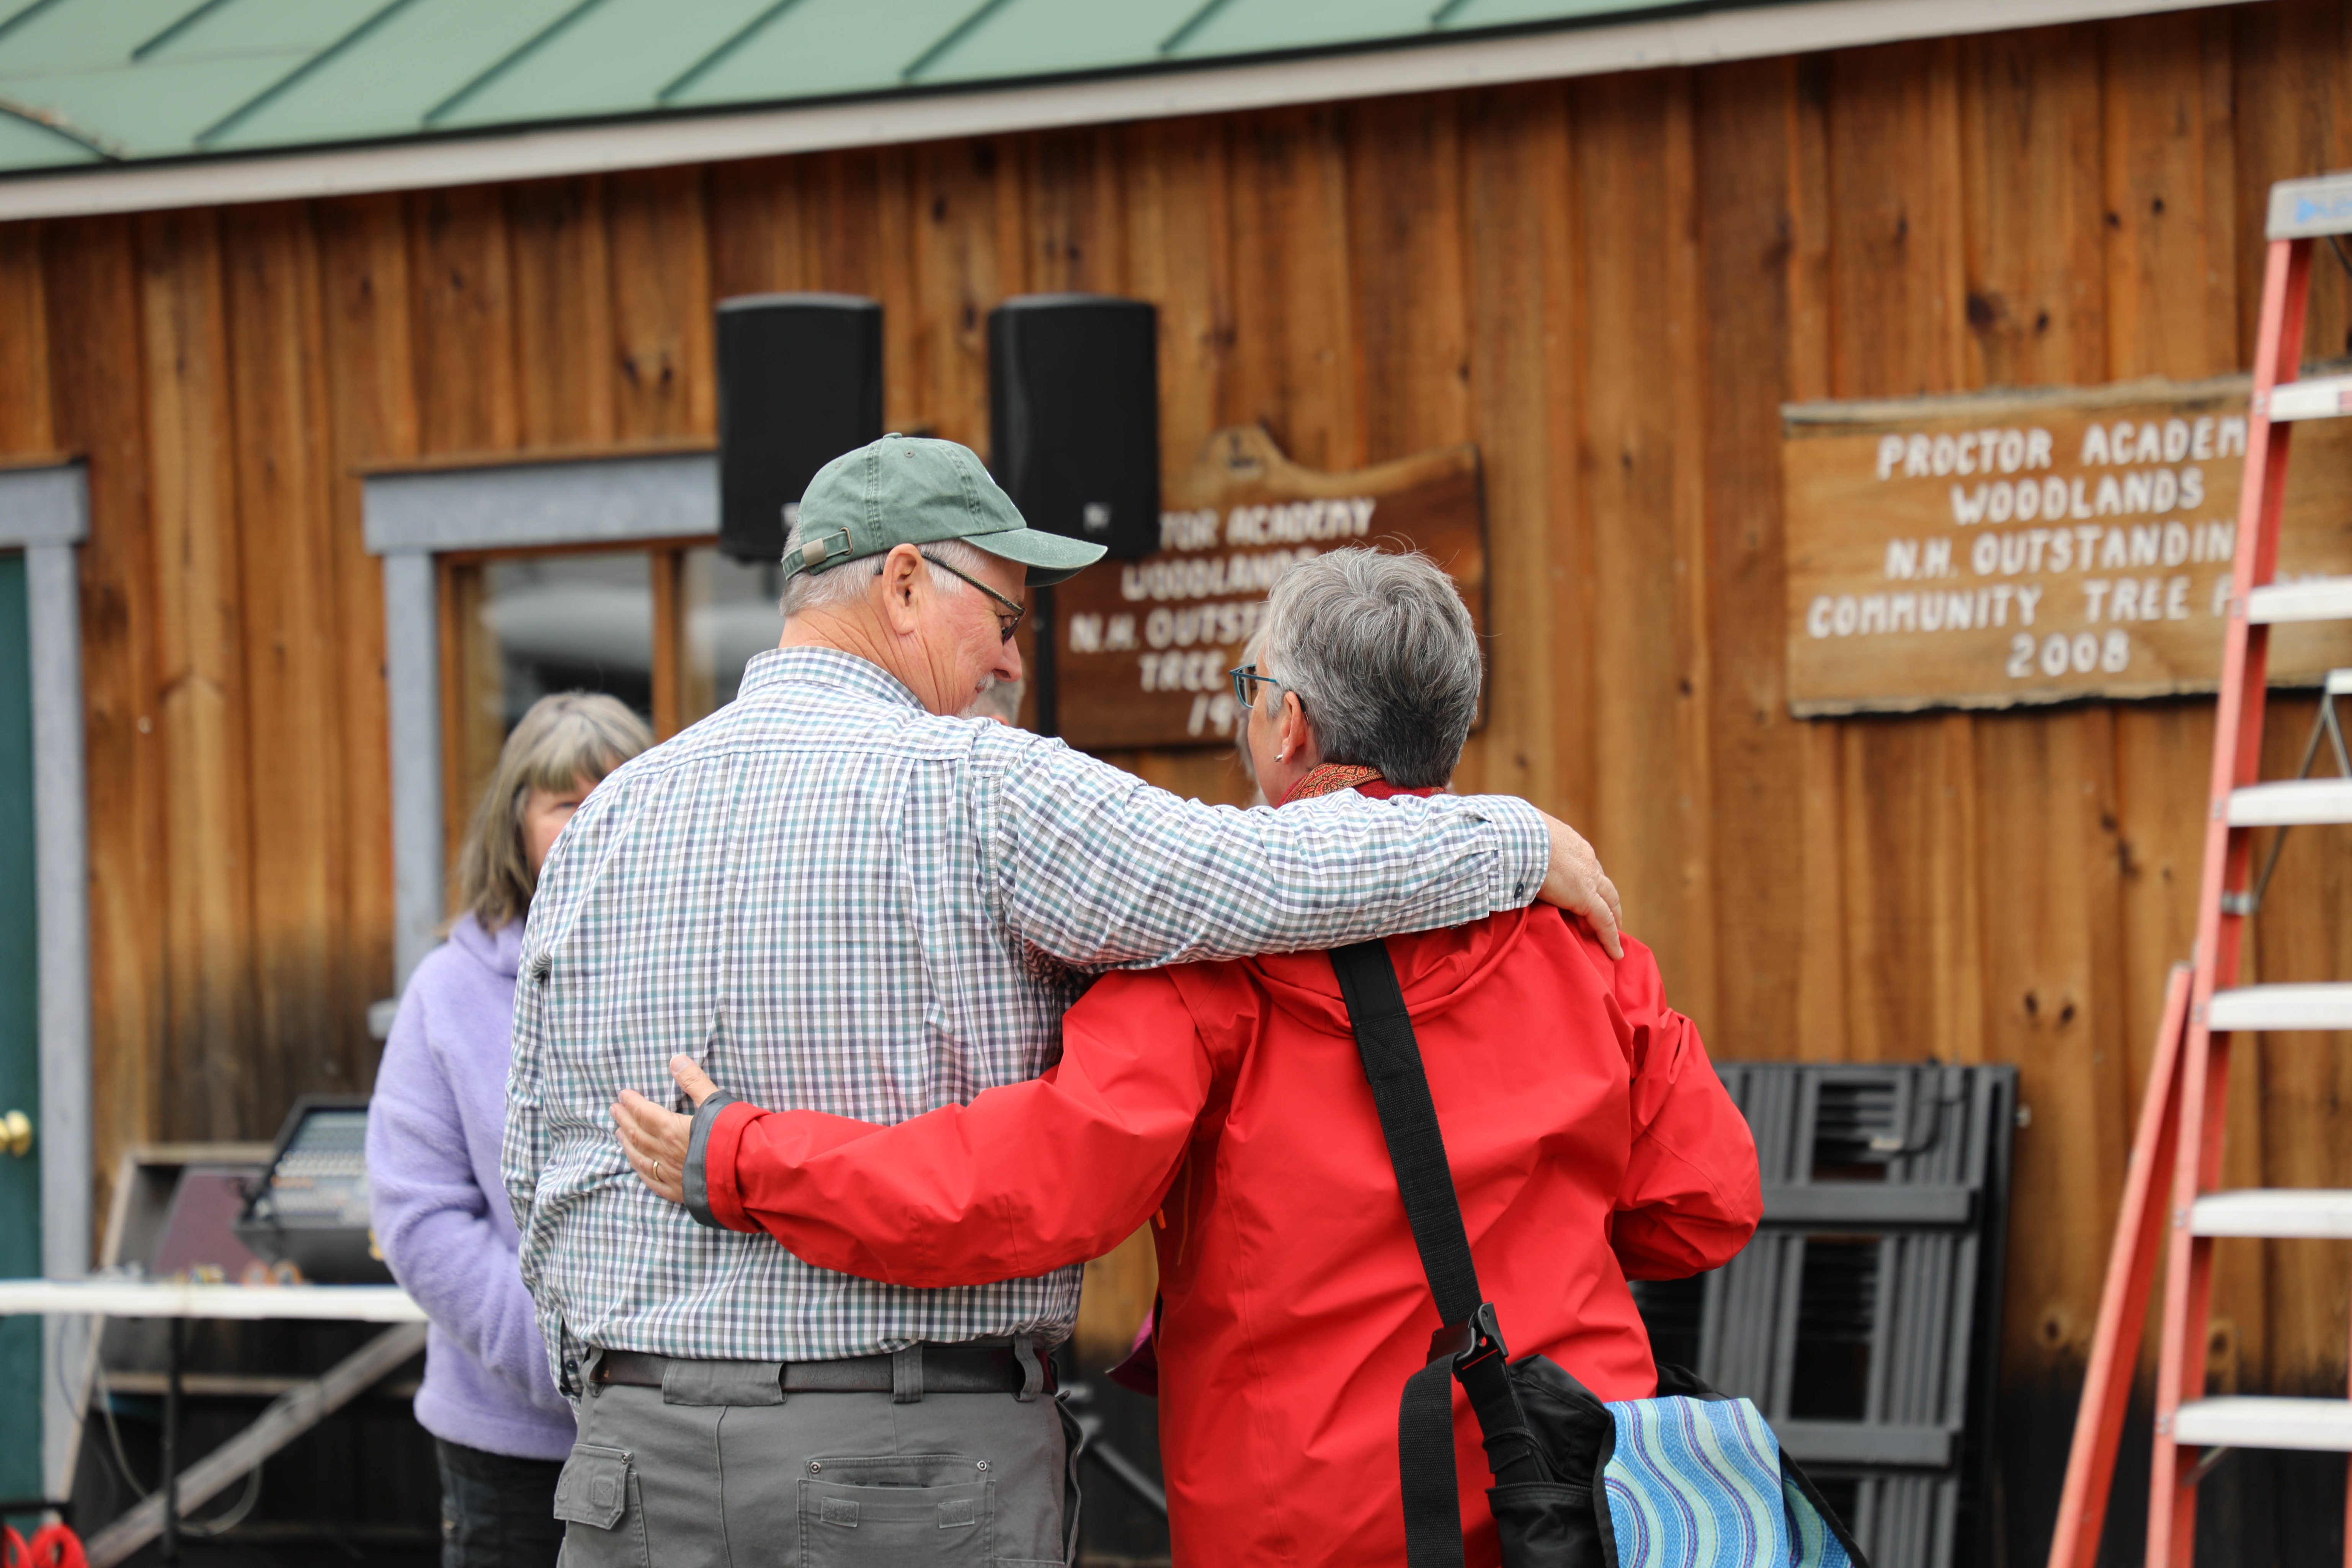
[
  {"x": 708, "y": 1153},
  {"x": 1523, "y": 847}
]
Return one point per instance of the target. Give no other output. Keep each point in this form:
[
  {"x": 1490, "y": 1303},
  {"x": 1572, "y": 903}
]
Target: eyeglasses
[
  {"x": 1004, "y": 628},
  {"x": 1245, "y": 677}
]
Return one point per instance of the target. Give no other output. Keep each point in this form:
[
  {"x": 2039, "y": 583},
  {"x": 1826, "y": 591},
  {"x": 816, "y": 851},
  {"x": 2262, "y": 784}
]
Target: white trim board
[
  {"x": 412, "y": 672},
  {"x": 1739, "y": 33},
  {"x": 44, "y": 506},
  {"x": 513, "y": 506},
  {"x": 45, "y": 512}
]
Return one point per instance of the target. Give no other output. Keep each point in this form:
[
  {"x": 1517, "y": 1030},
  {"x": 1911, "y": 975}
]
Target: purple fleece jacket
[{"x": 441, "y": 1214}]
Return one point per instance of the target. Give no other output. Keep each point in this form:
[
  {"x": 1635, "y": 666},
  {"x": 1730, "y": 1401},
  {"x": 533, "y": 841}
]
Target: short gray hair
[
  {"x": 847, "y": 582},
  {"x": 1381, "y": 653}
]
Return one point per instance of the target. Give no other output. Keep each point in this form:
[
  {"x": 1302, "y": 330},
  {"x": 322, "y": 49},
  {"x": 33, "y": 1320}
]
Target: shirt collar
[{"x": 826, "y": 666}]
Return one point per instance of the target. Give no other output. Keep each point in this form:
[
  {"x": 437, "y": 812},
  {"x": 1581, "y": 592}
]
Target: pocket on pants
[
  {"x": 930, "y": 1509},
  {"x": 604, "y": 1515}
]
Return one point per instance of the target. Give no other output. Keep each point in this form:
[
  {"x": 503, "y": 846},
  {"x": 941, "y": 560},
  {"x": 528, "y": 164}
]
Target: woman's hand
[{"x": 656, "y": 1138}]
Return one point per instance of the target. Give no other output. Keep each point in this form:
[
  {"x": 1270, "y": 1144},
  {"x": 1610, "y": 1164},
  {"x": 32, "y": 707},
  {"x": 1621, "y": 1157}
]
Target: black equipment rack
[{"x": 1864, "y": 1317}]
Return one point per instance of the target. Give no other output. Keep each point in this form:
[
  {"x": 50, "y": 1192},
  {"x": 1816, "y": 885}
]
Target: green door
[{"x": 20, "y": 1088}]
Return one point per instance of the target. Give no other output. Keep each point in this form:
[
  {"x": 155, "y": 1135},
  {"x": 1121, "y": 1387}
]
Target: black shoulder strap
[
  {"x": 1391, "y": 1052},
  {"x": 1470, "y": 1344}
]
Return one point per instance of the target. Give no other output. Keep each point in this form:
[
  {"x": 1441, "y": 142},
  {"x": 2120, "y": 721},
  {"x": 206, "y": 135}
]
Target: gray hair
[
  {"x": 564, "y": 737},
  {"x": 1381, "y": 653},
  {"x": 848, "y": 583}
]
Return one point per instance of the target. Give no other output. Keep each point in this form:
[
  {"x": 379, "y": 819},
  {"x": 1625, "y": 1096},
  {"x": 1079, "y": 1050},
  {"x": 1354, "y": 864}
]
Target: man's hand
[
  {"x": 655, "y": 1137},
  {"x": 1577, "y": 884}
]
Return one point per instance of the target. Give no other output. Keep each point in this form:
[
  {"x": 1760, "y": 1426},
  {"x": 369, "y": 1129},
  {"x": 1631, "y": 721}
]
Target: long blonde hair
[{"x": 565, "y": 736}]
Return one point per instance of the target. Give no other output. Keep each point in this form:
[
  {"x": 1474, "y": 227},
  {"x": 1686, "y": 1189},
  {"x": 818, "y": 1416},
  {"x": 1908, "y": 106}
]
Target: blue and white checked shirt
[{"x": 836, "y": 901}]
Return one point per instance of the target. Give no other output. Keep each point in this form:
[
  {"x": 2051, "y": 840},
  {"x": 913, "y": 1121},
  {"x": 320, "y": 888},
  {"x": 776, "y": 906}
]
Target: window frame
[
  {"x": 665, "y": 563},
  {"x": 426, "y": 519}
]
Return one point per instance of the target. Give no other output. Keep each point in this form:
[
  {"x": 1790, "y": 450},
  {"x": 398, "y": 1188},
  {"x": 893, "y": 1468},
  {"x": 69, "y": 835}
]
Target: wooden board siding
[{"x": 1609, "y": 285}]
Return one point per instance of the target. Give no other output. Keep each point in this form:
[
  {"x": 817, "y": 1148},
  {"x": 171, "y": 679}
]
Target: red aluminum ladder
[{"x": 2170, "y": 1195}]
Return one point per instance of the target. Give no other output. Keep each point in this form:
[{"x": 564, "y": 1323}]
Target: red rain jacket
[{"x": 1591, "y": 1142}]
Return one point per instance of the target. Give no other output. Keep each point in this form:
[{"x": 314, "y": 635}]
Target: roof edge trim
[{"x": 1742, "y": 33}]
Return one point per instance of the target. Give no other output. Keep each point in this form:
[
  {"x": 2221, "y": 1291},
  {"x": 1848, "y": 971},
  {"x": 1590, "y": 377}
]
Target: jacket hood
[
  {"x": 500, "y": 951},
  {"x": 1433, "y": 967}
]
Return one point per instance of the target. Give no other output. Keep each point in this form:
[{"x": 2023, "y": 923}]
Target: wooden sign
[
  {"x": 2018, "y": 548},
  {"x": 1142, "y": 648}
]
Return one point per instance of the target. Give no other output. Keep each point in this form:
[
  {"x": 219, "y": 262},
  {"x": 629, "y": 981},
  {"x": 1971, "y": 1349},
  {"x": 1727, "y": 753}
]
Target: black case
[
  {"x": 800, "y": 382},
  {"x": 1074, "y": 416}
]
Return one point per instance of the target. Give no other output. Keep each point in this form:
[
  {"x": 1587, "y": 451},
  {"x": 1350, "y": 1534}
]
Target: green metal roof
[{"x": 90, "y": 83}]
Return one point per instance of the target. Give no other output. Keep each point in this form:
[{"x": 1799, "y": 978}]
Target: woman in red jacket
[{"x": 1225, "y": 1103}]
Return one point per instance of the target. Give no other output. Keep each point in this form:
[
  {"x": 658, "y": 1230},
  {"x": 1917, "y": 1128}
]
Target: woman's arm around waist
[{"x": 1026, "y": 1179}]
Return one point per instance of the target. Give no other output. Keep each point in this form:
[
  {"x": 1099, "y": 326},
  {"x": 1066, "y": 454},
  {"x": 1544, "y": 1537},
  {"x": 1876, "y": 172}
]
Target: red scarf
[{"x": 1330, "y": 778}]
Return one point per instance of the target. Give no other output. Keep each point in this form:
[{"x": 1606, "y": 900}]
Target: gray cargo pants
[{"x": 744, "y": 1476}]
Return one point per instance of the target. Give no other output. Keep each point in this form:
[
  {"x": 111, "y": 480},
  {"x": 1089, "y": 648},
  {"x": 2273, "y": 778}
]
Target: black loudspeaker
[
  {"x": 800, "y": 382},
  {"x": 1074, "y": 415}
]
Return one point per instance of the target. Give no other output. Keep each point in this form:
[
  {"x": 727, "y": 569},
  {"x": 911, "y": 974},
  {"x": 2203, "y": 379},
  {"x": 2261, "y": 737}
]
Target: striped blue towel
[{"x": 1697, "y": 1483}]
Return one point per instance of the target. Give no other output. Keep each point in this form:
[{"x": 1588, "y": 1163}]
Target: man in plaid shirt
[{"x": 837, "y": 896}]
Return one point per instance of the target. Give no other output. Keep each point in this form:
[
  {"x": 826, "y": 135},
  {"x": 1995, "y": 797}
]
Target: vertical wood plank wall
[{"x": 1610, "y": 284}]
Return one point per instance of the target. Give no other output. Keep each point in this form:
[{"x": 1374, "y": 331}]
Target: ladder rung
[
  {"x": 2311, "y": 208},
  {"x": 2314, "y": 599},
  {"x": 2246, "y": 1421},
  {"x": 2298, "y": 1213},
  {"x": 2261, "y": 1007},
  {"x": 2291, "y": 803},
  {"x": 2321, "y": 397}
]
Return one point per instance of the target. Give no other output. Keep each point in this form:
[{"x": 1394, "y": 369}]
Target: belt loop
[
  {"x": 589, "y": 1384},
  {"x": 906, "y": 1375},
  {"x": 1032, "y": 1372}
]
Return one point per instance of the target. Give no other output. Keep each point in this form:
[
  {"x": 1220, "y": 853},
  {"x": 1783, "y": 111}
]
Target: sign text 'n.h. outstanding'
[
  {"x": 2021, "y": 548},
  {"x": 1142, "y": 647}
]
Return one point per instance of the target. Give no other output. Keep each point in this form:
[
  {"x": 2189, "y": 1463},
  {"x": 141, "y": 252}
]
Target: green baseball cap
[{"x": 911, "y": 490}]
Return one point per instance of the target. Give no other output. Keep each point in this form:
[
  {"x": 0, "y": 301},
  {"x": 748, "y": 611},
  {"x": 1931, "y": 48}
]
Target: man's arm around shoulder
[{"x": 1096, "y": 867}]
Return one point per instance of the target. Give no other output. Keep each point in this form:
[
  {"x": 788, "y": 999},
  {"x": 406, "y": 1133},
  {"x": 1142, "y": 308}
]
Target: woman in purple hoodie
[{"x": 502, "y": 1429}]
